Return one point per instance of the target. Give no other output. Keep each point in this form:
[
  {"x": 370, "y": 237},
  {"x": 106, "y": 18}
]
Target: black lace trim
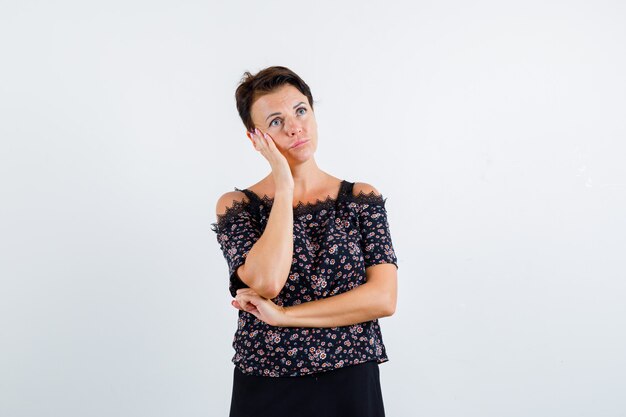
[
  {"x": 230, "y": 213},
  {"x": 301, "y": 209},
  {"x": 370, "y": 198}
]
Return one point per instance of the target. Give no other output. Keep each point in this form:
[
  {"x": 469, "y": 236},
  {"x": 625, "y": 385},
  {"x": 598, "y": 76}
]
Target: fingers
[
  {"x": 251, "y": 308},
  {"x": 241, "y": 302},
  {"x": 244, "y": 300},
  {"x": 269, "y": 140},
  {"x": 257, "y": 139},
  {"x": 261, "y": 140}
]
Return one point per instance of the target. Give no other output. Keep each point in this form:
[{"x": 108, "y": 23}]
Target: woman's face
[{"x": 286, "y": 116}]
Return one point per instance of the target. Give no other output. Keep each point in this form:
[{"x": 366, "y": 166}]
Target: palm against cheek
[{"x": 260, "y": 137}]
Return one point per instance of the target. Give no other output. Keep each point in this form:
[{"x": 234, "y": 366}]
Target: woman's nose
[{"x": 293, "y": 127}]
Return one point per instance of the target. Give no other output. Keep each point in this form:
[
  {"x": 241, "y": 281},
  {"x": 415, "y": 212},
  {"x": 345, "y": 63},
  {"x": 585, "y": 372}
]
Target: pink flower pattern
[{"x": 335, "y": 240}]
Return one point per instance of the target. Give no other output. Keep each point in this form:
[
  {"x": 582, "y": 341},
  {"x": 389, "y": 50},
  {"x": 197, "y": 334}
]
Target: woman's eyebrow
[{"x": 274, "y": 114}]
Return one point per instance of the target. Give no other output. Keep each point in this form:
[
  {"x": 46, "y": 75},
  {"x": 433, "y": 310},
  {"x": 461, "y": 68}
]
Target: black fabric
[
  {"x": 351, "y": 391},
  {"x": 336, "y": 240}
]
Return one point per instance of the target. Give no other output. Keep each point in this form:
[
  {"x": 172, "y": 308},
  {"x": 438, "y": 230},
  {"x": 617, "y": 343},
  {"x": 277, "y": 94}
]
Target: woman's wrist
[
  {"x": 287, "y": 319},
  {"x": 283, "y": 194}
]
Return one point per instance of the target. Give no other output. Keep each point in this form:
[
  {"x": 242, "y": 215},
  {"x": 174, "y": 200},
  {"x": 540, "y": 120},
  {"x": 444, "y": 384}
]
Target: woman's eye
[{"x": 297, "y": 110}]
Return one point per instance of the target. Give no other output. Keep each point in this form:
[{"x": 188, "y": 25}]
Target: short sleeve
[
  {"x": 375, "y": 234},
  {"x": 237, "y": 231}
]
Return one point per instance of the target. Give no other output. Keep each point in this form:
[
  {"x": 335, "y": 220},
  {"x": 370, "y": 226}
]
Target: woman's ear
[{"x": 249, "y": 135}]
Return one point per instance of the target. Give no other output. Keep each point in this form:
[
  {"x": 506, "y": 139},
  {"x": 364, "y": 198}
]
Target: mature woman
[{"x": 312, "y": 268}]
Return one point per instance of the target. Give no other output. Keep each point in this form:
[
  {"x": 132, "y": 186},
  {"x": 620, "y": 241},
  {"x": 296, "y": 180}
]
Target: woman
[{"x": 311, "y": 264}]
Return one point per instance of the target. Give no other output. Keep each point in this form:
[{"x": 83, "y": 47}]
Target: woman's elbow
[
  {"x": 388, "y": 311},
  {"x": 266, "y": 288},
  {"x": 269, "y": 291},
  {"x": 389, "y": 307}
]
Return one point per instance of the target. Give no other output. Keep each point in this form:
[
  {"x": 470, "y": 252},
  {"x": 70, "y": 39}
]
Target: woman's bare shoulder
[
  {"x": 228, "y": 200},
  {"x": 363, "y": 188}
]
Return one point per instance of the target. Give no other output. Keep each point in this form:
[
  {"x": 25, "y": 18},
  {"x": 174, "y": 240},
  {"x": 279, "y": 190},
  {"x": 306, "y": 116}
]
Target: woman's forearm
[
  {"x": 361, "y": 304},
  {"x": 268, "y": 263}
]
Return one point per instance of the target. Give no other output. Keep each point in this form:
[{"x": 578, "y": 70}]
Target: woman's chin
[{"x": 301, "y": 157}]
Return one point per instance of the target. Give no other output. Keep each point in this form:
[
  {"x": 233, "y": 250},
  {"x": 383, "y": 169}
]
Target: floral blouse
[{"x": 335, "y": 240}]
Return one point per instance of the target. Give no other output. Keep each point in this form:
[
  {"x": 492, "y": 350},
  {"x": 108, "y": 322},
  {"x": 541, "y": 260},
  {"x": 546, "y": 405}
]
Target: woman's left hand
[{"x": 263, "y": 309}]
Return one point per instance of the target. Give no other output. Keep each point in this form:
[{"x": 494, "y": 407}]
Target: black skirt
[{"x": 344, "y": 392}]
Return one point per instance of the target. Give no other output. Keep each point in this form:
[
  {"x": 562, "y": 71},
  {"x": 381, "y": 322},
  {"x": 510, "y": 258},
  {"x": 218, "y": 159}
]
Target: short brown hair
[{"x": 263, "y": 82}]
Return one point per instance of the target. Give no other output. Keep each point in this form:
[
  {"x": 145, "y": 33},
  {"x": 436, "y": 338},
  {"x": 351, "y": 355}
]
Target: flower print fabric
[
  {"x": 335, "y": 240},
  {"x": 237, "y": 231}
]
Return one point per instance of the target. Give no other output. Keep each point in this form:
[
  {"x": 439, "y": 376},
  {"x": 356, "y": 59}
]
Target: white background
[{"x": 495, "y": 129}]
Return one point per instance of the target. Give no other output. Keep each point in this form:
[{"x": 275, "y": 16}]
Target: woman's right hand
[{"x": 263, "y": 142}]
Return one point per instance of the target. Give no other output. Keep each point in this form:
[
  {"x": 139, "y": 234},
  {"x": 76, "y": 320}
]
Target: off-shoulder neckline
[
  {"x": 300, "y": 205},
  {"x": 302, "y": 208}
]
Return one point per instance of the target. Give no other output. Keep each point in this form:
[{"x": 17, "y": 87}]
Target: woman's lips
[{"x": 300, "y": 143}]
